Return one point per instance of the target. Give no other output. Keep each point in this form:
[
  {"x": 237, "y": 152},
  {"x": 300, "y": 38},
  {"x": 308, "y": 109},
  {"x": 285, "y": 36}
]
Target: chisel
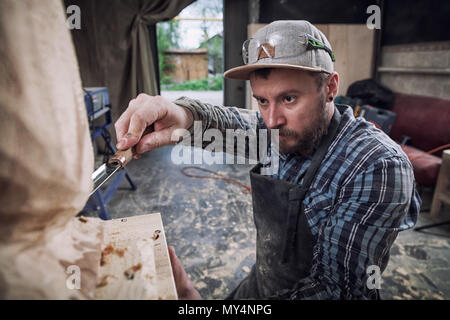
[
  {"x": 107, "y": 170},
  {"x": 117, "y": 162}
]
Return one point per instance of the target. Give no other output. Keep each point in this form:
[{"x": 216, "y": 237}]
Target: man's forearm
[
  {"x": 238, "y": 129},
  {"x": 222, "y": 118}
]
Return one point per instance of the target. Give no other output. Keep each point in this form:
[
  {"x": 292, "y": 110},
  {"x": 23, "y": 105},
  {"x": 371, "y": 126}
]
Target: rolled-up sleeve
[
  {"x": 242, "y": 124},
  {"x": 222, "y": 118}
]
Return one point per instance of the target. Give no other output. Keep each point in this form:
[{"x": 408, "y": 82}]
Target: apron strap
[{"x": 298, "y": 194}]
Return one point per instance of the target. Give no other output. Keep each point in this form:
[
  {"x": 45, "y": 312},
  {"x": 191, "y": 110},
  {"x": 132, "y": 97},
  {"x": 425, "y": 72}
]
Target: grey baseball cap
[{"x": 287, "y": 44}]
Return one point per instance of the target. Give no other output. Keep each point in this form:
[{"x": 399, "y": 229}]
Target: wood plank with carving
[{"x": 135, "y": 262}]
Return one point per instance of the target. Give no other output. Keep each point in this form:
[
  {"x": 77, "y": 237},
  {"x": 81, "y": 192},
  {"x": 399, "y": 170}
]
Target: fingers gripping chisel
[{"x": 115, "y": 163}]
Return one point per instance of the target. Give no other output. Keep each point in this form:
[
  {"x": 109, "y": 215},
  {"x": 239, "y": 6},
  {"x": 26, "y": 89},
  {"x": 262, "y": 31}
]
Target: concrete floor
[{"x": 210, "y": 224}]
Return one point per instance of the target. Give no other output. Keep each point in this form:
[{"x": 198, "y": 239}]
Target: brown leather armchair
[{"x": 426, "y": 123}]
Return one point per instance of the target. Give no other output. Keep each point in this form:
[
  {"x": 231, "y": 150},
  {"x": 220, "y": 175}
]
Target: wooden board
[
  {"x": 135, "y": 262},
  {"x": 353, "y": 47}
]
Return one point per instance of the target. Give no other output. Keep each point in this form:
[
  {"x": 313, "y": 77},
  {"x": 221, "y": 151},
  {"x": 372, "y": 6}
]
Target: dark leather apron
[{"x": 284, "y": 242}]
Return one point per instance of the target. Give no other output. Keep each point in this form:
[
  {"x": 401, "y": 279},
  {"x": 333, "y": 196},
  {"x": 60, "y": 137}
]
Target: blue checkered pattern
[{"x": 363, "y": 195}]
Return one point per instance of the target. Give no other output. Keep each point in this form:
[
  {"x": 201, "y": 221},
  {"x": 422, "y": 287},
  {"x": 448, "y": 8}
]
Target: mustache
[{"x": 285, "y": 132}]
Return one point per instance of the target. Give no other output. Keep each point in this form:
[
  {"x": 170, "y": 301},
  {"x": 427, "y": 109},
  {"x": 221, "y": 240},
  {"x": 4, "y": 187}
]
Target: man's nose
[{"x": 275, "y": 117}]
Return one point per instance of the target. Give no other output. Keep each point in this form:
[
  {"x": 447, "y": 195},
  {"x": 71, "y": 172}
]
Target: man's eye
[
  {"x": 289, "y": 99},
  {"x": 262, "y": 101}
]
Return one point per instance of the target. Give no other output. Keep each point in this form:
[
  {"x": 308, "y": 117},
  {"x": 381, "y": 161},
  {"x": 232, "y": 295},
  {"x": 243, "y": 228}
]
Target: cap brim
[{"x": 243, "y": 72}]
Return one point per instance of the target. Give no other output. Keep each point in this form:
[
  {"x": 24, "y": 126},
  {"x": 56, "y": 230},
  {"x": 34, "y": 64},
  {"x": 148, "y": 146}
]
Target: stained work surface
[{"x": 210, "y": 224}]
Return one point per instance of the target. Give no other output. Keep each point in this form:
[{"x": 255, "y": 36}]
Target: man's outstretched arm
[{"x": 167, "y": 117}]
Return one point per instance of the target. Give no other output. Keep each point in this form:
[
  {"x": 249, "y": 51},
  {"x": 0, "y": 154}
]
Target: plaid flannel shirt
[{"x": 363, "y": 194}]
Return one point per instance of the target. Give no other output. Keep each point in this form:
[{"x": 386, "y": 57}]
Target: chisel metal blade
[
  {"x": 103, "y": 174},
  {"x": 114, "y": 164}
]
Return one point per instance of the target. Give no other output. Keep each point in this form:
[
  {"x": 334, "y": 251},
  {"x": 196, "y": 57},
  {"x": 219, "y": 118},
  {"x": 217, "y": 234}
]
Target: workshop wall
[
  {"x": 422, "y": 68},
  {"x": 400, "y": 58},
  {"x": 415, "y": 48}
]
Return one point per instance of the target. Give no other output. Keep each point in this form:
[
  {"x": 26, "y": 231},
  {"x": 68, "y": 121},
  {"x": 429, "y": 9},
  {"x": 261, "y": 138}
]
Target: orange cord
[
  {"x": 247, "y": 189},
  {"x": 445, "y": 146}
]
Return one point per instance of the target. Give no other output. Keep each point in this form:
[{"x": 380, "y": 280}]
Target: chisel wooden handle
[{"x": 122, "y": 157}]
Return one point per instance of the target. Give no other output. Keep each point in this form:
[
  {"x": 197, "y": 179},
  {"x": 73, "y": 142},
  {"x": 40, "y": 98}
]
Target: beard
[{"x": 311, "y": 135}]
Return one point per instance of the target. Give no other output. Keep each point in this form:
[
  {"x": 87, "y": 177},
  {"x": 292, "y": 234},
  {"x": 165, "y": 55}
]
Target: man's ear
[{"x": 332, "y": 87}]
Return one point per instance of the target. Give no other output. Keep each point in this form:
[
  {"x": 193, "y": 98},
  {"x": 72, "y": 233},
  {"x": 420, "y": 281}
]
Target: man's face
[{"x": 289, "y": 100}]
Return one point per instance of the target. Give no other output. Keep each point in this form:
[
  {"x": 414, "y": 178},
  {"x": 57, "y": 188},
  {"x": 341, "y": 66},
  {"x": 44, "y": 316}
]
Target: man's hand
[
  {"x": 185, "y": 288},
  {"x": 144, "y": 111}
]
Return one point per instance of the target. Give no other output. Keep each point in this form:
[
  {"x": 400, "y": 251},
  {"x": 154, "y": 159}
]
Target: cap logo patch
[{"x": 266, "y": 50}]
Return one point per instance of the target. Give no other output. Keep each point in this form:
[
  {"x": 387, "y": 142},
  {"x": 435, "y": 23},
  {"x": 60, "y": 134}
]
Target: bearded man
[{"x": 327, "y": 218}]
